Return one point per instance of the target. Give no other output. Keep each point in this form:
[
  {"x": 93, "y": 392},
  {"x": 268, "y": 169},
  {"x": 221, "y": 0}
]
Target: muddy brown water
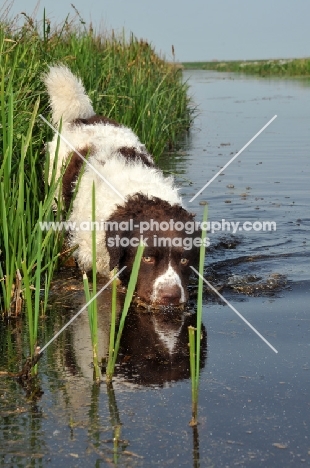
[{"x": 254, "y": 404}]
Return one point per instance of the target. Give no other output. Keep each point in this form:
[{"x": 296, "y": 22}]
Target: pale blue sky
[{"x": 198, "y": 29}]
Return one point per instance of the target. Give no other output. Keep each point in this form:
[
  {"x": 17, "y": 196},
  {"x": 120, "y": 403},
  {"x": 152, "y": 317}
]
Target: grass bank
[
  {"x": 126, "y": 80},
  {"x": 280, "y": 67}
]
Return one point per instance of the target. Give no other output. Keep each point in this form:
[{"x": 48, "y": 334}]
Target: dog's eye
[
  {"x": 184, "y": 261},
  {"x": 148, "y": 259}
]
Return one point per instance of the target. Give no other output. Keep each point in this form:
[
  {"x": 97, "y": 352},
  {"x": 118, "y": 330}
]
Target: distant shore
[{"x": 278, "y": 67}]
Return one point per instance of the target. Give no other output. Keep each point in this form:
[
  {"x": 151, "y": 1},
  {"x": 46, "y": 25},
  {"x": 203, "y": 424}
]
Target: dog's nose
[{"x": 169, "y": 295}]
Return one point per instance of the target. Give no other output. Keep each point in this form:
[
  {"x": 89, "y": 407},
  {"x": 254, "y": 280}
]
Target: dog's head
[{"x": 171, "y": 238}]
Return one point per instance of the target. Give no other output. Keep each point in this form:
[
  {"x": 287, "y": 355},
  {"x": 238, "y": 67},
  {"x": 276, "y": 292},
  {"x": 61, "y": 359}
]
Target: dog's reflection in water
[{"x": 154, "y": 347}]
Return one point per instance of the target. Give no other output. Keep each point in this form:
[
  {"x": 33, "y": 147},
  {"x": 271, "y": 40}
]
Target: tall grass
[
  {"x": 27, "y": 253},
  {"x": 126, "y": 80},
  {"x": 23, "y": 205}
]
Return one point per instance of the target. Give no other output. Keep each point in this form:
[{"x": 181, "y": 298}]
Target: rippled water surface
[{"x": 254, "y": 403}]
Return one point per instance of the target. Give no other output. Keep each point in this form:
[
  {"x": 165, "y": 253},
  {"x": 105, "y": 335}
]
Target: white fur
[
  {"x": 69, "y": 102},
  {"x": 169, "y": 278},
  {"x": 105, "y": 139},
  {"x": 67, "y": 95}
]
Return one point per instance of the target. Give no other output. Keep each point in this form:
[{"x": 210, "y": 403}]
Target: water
[{"x": 253, "y": 403}]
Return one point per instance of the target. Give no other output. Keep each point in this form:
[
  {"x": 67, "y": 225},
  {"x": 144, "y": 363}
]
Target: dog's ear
[
  {"x": 114, "y": 247},
  {"x": 115, "y": 250},
  {"x": 116, "y": 243},
  {"x": 115, "y": 232}
]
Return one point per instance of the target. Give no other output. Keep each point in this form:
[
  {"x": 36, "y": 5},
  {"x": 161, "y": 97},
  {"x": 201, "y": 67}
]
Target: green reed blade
[
  {"x": 195, "y": 341},
  {"x": 202, "y": 254},
  {"x": 109, "y": 369},
  {"x": 128, "y": 298}
]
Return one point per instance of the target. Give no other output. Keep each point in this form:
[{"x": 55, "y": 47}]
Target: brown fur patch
[
  {"x": 96, "y": 119},
  {"x": 71, "y": 175},
  {"x": 132, "y": 154},
  {"x": 140, "y": 206}
]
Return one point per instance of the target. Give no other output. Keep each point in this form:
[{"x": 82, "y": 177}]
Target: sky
[{"x": 199, "y": 30}]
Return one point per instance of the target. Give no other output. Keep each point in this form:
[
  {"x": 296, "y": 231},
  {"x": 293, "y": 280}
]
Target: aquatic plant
[
  {"x": 111, "y": 351},
  {"x": 114, "y": 343},
  {"x": 91, "y": 301},
  {"x": 195, "y": 333},
  {"x": 24, "y": 204},
  {"x": 125, "y": 78}
]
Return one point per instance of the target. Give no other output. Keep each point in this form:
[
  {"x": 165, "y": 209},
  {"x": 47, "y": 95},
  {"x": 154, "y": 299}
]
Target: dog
[{"x": 134, "y": 200}]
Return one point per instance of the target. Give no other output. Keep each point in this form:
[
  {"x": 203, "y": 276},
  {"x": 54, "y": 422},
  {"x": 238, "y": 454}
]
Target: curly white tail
[{"x": 68, "y": 98}]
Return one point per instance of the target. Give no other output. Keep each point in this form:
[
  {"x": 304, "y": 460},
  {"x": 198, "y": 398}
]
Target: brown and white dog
[{"x": 133, "y": 198}]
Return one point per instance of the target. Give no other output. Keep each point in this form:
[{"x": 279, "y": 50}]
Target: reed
[
  {"x": 195, "y": 333},
  {"x": 126, "y": 79},
  {"x": 26, "y": 251},
  {"x": 91, "y": 301},
  {"x": 109, "y": 367},
  {"x": 114, "y": 343},
  {"x": 115, "y": 423},
  {"x": 23, "y": 207}
]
